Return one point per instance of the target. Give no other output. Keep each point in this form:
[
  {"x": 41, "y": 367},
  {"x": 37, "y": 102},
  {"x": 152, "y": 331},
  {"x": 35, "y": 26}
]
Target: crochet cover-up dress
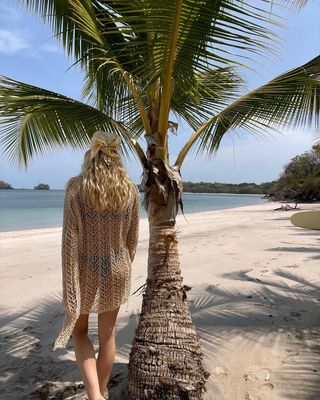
[{"x": 98, "y": 248}]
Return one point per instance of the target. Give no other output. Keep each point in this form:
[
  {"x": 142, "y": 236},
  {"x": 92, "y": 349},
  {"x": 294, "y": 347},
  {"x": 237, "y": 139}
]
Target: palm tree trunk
[{"x": 166, "y": 359}]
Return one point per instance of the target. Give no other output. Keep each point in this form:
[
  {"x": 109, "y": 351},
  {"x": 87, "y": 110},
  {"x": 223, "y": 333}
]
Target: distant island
[
  {"x": 299, "y": 182},
  {"x": 5, "y": 185},
  {"x": 42, "y": 186}
]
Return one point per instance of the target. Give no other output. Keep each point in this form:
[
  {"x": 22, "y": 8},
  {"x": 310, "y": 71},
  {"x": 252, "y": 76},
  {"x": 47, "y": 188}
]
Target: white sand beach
[{"x": 255, "y": 300}]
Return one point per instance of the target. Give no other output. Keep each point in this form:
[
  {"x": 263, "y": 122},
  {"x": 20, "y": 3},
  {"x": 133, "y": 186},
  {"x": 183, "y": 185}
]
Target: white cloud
[
  {"x": 12, "y": 42},
  {"x": 52, "y": 48}
]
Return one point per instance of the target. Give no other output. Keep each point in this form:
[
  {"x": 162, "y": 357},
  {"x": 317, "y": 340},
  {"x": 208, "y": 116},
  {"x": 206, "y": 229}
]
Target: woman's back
[
  {"x": 106, "y": 242},
  {"x": 99, "y": 236}
]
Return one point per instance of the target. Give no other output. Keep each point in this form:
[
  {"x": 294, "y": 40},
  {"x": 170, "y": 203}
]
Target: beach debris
[
  {"x": 286, "y": 207},
  {"x": 185, "y": 386},
  {"x": 56, "y": 391},
  {"x": 211, "y": 287},
  {"x": 294, "y": 266},
  {"x": 141, "y": 289},
  {"x": 219, "y": 372}
]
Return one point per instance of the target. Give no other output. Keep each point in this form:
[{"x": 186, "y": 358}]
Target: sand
[{"x": 255, "y": 301}]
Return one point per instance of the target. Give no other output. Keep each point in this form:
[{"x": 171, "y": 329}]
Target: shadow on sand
[{"x": 283, "y": 305}]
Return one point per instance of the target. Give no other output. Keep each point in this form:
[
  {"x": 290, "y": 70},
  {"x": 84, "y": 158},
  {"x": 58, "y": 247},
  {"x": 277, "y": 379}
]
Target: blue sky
[{"x": 29, "y": 53}]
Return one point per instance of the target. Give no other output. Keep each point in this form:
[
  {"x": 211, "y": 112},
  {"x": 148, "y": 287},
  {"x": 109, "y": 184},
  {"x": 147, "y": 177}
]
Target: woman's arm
[
  {"x": 133, "y": 232},
  {"x": 70, "y": 253}
]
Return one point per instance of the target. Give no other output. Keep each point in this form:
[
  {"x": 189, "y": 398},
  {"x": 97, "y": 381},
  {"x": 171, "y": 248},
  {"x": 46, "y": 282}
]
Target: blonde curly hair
[{"x": 105, "y": 182}]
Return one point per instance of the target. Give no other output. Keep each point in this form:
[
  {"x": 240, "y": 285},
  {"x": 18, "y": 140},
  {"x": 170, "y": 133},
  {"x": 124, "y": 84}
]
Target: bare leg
[
  {"x": 85, "y": 357},
  {"x": 107, "y": 346}
]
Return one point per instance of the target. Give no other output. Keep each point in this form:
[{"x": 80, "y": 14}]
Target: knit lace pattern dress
[{"x": 98, "y": 248}]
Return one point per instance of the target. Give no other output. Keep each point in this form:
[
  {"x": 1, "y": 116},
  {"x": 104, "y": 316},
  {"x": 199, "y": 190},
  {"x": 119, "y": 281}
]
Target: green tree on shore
[
  {"x": 146, "y": 62},
  {"x": 300, "y": 179}
]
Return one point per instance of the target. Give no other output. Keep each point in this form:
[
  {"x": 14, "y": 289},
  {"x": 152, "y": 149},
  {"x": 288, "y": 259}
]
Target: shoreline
[
  {"x": 54, "y": 229},
  {"x": 17, "y": 216}
]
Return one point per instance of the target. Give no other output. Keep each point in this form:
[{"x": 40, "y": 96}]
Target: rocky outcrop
[
  {"x": 5, "y": 185},
  {"x": 42, "y": 186}
]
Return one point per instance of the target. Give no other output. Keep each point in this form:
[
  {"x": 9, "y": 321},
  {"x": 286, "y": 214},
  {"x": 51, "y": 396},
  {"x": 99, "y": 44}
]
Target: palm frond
[
  {"x": 58, "y": 13},
  {"x": 34, "y": 120},
  {"x": 168, "y": 41},
  {"x": 211, "y": 91},
  {"x": 291, "y": 99},
  {"x": 145, "y": 58},
  {"x": 297, "y": 4}
]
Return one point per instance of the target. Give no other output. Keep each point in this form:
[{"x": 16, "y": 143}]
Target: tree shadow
[
  {"x": 284, "y": 308},
  {"x": 285, "y": 305},
  {"x": 307, "y": 232},
  {"x": 31, "y": 370},
  {"x": 299, "y": 249},
  {"x": 26, "y": 360}
]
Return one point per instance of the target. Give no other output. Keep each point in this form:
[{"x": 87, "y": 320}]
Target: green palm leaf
[
  {"x": 34, "y": 120},
  {"x": 153, "y": 45},
  {"x": 211, "y": 92},
  {"x": 291, "y": 99},
  {"x": 145, "y": 58}
]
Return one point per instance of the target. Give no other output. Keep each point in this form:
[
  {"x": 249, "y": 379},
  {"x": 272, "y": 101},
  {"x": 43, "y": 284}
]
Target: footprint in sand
[
  {"x": 267, "y": 386},
  {"x": 257, "y": 375},
  {"x": 251, "y": 396},
  {"x": 295, "y": 314},
  {"x": 294, "y": 266},
  {"x": 211, "y": 287},
  {"x": 292, "y": 316}
]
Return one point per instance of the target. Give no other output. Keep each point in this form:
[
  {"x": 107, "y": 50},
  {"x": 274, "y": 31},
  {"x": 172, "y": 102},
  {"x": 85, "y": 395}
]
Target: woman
[{"x": 99, "y": 239}]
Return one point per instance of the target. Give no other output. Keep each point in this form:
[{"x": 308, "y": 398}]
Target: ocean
[{"x": 32, "y": 209}]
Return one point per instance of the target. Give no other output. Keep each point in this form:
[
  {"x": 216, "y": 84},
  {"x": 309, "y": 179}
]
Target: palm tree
[{"x": 146, "y": 62}]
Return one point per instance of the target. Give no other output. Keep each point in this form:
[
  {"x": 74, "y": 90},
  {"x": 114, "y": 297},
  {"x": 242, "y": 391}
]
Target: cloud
[
  {"x": 12, "y": 42},
  {"x": 51, "y": 48}
]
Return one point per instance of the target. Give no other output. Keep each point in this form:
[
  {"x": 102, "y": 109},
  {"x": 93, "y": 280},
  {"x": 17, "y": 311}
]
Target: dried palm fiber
[
  {"x": 166, "y": 359},
  {"x": 98, "y": 248}
]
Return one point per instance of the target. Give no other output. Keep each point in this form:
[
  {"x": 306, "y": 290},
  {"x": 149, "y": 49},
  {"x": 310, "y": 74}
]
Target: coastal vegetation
[
  {"x": 300, "y": 179},
  {"x": 217, "y": 187},
  {"x": 5, "y": 185},
  {"x": 144, "y": 63}
]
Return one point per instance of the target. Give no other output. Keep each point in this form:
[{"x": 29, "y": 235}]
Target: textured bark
[{"x": 166, "y": 358}]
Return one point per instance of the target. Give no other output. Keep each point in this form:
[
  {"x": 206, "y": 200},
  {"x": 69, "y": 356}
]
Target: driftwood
[{"x": 287, "y": 207}]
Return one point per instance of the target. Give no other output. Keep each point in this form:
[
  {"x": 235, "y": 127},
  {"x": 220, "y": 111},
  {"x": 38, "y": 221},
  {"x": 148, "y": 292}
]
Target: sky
[{"x": 30, "y": 54}]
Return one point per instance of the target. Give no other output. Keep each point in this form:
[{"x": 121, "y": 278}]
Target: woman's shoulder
[
  {"x": 135, "y": 191},
  {"x": 73, "y": 185}
]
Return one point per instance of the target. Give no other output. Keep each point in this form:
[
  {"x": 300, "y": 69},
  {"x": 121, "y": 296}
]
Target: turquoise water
[{"x": 31, "y": 209}]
